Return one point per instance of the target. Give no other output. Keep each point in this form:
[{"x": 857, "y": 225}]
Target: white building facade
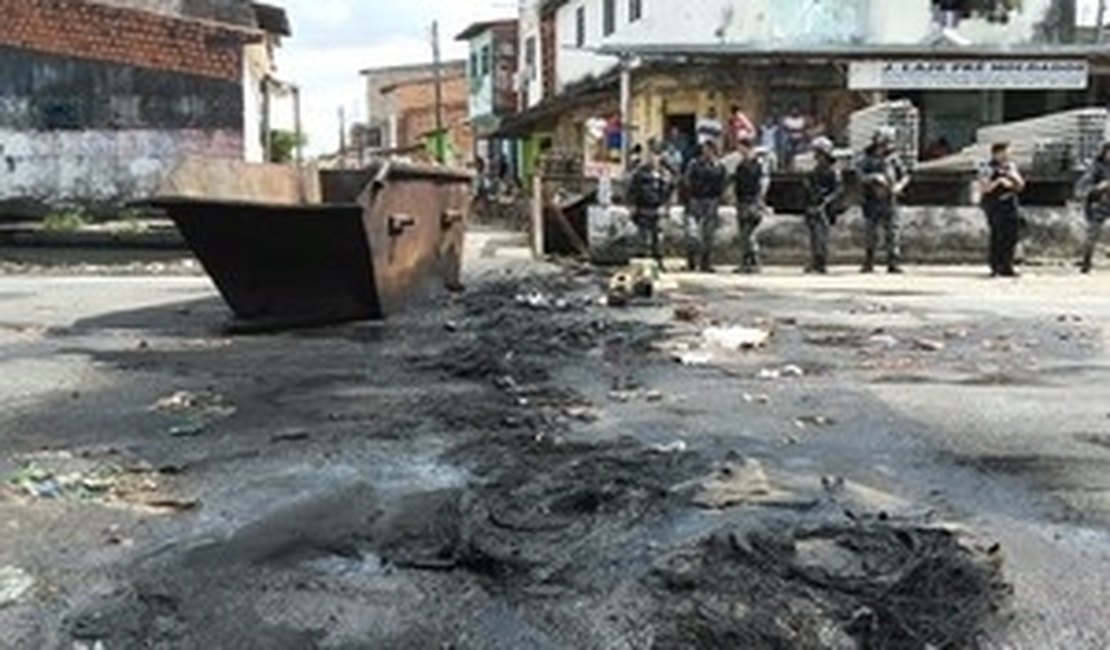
[{"x": 584, "y": 25}]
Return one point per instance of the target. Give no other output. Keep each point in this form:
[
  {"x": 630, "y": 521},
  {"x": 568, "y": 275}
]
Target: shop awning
[{"x": 580, "y": 94}]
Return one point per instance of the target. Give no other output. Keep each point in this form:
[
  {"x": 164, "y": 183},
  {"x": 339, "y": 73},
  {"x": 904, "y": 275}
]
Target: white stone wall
[
  {"x": 934, "y": 234},
  {"x": 100, "y": 167}
]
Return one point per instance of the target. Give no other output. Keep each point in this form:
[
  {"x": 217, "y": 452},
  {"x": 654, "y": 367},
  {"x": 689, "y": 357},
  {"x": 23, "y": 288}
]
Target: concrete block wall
[{"x": 940, "y": 234}]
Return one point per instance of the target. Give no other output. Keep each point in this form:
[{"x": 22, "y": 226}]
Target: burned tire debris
[{"x": 556, "y": 538}]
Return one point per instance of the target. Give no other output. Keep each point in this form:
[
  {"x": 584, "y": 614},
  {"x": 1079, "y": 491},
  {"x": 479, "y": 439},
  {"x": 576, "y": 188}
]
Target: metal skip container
[{"x": 296, "y": 248}]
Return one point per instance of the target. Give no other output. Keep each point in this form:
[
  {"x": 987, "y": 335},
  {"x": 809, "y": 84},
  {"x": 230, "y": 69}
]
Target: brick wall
[{"x": 94, "y": 31}]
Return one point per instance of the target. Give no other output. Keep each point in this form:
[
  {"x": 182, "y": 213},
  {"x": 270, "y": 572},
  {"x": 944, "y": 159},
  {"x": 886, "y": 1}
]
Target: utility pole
[
  {"x": 342, "y": 135},
  {"x": 626, "y": 109},
  {"x": 297, "y": 126},
  {"x": 1100, "y": 23},
  {"x": 437, "y": 64}
]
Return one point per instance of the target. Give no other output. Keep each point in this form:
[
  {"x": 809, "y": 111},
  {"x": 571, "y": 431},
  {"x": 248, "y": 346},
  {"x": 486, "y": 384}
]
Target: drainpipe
[{"x": 297, "y": 127}]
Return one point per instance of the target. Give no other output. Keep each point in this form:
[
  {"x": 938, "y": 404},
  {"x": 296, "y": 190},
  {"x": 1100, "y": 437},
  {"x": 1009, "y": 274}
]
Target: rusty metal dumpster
[{"x": 288, "y": 249}]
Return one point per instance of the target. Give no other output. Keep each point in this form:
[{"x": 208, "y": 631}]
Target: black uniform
[
  {"x": 1002, "y": 210},
  {"x": 649, "y": 190},
  {"x": 880, "y": 206},
  {"x": 705, "y": 183},
  {"x": 824, "y": 188},
  {"x": 1096, "y": 208},
  {"x": 750, "y": 182}
]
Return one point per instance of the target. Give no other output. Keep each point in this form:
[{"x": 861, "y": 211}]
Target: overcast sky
[{"x": 334, "y": 39}]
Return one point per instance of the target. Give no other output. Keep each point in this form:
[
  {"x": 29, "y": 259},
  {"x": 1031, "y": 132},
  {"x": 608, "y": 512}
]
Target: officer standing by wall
[
  {"x": 704, "y": 184},
  {"x": 649, "y": 192},
  {"x": 751, "y": 180},
  {"x": 1094, "y": 190},
  {"x": 1000, "y": 182},
  {"x": 884, "y": 178},
  {"x": 824, "y": 190}
]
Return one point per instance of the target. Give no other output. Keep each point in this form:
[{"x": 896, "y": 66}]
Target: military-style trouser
[
  {"x": 749, "y": 215},
  {"x": 1095, "y": 222},
  {"x": 1005, "y": 231},
  {"x": 702, "y": 221},
  {"x": 819, "y": 224},
  {"x": 882, "y": 216},
  {"x": 647, "y": 221}
]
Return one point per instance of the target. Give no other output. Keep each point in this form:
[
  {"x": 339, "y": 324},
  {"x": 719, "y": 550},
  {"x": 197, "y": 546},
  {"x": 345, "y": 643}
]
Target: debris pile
[
  {"x": 507, "y": 332},
  {"x": 193, "y": 412},
  {"x": 65, "y": 477},
  {"x": 858, "y": 586}
]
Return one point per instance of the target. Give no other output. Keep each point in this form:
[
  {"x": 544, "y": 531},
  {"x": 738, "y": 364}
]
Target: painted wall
[
  {"x": 107, "y": 167},
  {"x": 93, "y": 132},
  {"x": 911, "y": 21}
]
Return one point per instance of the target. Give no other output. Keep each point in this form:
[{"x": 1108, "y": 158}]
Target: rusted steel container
[{"x": 333, "y": 247}]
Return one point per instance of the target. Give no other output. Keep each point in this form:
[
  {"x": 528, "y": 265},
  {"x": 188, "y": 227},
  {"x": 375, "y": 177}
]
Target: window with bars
[{"x": 530, "y": 46}]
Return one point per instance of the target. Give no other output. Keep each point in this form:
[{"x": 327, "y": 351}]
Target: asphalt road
[{"x": 942, "y": 394}]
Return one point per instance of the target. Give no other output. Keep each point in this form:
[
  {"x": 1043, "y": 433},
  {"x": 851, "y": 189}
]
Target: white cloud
[{"x": 334, "y": 39}]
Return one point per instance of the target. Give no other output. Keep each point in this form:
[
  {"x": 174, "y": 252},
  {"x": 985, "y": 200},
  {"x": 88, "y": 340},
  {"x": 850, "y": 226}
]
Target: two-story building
[
  {"x": 493, "y": 88},
  {"x": 385, "y": 109},
  {"x": 964, "y": 63}
]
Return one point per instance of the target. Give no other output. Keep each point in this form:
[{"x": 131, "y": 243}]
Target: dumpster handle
[
  {"x": 450, "y": 218},
  {"x": 399, "y": 223}
]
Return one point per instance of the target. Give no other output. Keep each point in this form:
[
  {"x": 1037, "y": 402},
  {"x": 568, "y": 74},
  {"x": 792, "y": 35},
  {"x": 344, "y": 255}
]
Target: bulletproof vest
[
  {"x": 876, "y": 164},
  {"x": 823, "y": 183},
  {"x": 707, "y": 179},
  {"x": 749, "y": 180},
  {"x": 1102, "y": 172},
  {"x": 650, "y": 188},
  {"x": 1000, "y": 195}
]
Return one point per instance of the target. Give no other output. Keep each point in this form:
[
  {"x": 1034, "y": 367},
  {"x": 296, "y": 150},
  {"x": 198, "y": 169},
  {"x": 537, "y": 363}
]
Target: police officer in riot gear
[
  {"x": 1094, "y": 190},
  {"x": 824, "y": 189},
  {"x": 1000, "y": 182},
  {"x": 884, "y": 179},
  {"x": 704, "y": 184},
  {"x": 649, "y": 191},
  {"x": 751, "y": 180}
]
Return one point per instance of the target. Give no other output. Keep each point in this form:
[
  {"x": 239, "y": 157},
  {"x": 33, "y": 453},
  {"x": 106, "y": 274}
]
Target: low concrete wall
[{"x": 942, "y": 234}]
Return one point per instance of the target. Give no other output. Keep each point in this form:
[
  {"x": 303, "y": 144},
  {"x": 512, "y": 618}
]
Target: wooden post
[
  {"x": 626, "y": 110},
  {"x": 537, "y": 216}
]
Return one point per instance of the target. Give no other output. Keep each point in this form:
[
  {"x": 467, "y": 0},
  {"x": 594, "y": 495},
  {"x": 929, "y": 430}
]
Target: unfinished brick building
[{"x": 98, "y": 99}]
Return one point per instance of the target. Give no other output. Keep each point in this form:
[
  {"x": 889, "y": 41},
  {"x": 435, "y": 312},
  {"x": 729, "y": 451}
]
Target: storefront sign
[{"x": 970, "y": 74}]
